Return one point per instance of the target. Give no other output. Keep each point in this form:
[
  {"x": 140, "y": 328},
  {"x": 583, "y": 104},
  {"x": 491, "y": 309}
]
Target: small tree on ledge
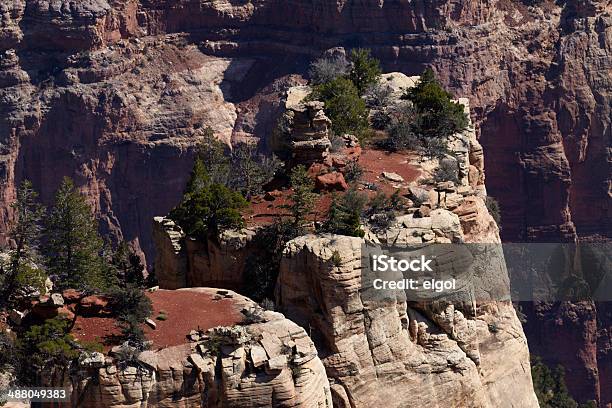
[
  {"x": 440, "y": 117},
  {"x": 207, "y": 207}
]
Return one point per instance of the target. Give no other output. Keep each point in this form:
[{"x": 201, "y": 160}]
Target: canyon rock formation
[
  {"x": 270, "y": 362},
  {"x": 423, "y": 351},
  {"x": 116, "y": 94},
  {"x": 116, "y": 91}
]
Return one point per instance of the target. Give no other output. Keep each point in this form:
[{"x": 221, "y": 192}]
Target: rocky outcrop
[
  {"x": 304, "y": 129},
  {"x": 373, "y": 350},
  {"x": 544, "y": 153},
  {"x": 171, "y": 263},
  {"x": 184, "y": 262},
  {"x": 270, "y": 362},
  {"x": 451, "y": 351},
  {"x": 122, "y": 120}
]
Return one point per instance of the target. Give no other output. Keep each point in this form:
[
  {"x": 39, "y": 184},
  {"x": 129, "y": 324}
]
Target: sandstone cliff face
[
  {"x": 183, "y": 262},
  {"x": 436, "y": 355},
  {"x": 123, "y": 120},
  {"x": 545, "y": 152},
  {"x": 268, "y": 363}
]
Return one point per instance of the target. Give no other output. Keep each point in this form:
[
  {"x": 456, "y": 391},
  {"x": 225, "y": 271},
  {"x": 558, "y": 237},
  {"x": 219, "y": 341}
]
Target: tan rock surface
[
  {"x": 438, "y": 353},
  {"x": 270, "y": 362}
]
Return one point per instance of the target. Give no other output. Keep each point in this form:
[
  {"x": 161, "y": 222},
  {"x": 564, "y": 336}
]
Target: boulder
[
  {"x": 151, "y": 323},
  {"x": 56, "y": 299},
  {"x": 94, "y": 306},
  {"x": 392, "y": 177},
  {"x": 331, "y": 182}
]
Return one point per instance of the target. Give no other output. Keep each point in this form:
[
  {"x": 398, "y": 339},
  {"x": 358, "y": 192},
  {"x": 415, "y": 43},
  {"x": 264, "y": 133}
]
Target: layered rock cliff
[
  {"x": 268, "y": 362},
  {"x": 117, "y": 92},
  {"x": 537, "y": 77}
]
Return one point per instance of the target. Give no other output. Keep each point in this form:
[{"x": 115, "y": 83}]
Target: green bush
[
  {"x": 447, "y": 171},
  {"x": 302, "y": 198},
  {"x": 44, "y": 345},
  {"x": 212, "y": 153},
  {"x": 127, "y": 266},
  {"x": 427, "y": 124},
  {"x": 382, "y": 209},
  {"x": 262, "y": 267},
  {"x": 402, "y": 128},
  {"x": 343, "y": 105},
  {"x": 353, "y": 171},
  {"x": 440, "y": 117},
  {"x": 549, "y": 386},
  {"x": 327, "y": 69},
  {"x": 132, "y": 307},
  {"x": 344, "y": 217},
  {"x": 250, "y": 171},
  {"x": 365, "y": 70},
  {"x": 207, "y": 207}
]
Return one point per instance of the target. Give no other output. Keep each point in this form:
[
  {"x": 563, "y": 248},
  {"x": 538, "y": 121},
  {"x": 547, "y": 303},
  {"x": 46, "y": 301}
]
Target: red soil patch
[
  {"x": 374, "y": 162},
  {"x": 101, "y": 330},
  {"x": 186, "y": 311},
  {"x": 262, "y": 212}
]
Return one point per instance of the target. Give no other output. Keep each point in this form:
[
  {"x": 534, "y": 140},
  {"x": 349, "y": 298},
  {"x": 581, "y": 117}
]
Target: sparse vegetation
[
  {"x": 428, "y": 122},
  {"x": 344, "y": 217},
  {"x": 336, "y": 258},
  {"x": 132, "y": 307},
  {"x": 365, "y": 70},
  {"x": 250, "y": 171},
  {"x": 207, "y": 208},
  {"x": 302, "y": 198},
  {"x": 494, "y": 209},
  {"x": 337, "y": 143},
  {"x": 440, "y": 117},
  {"x": 26, "y": 235},
  {"x": 377, "y": 95},
  {"x": 353, "y": 171},
  {"x": 327, "y": 69},
  {"x": 262, "y": 267},
  {"x": 382, "y": 209},
  {"x": 549, "y": 386},
  {"x": 343, "y": 105},
  {"x": 447, "y": 171},
  {"x": 127, "y": 267},
  {"x": 44, "y": 345}
]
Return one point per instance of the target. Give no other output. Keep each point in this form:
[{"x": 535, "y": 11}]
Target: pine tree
[
  {"x": 344, "y": 216},
  {"x": 302, "y": 199},
  {"x": 365, "y": 70},
  {"x": 127, "y": 266},
  {"x": 211, "y": 152},
  {"x": 251, "y": 171},
  {"x": 25, "y": 233},
  {"x": 73, "y": 247},
  {"x": 343, "y": 105},
  {"x": 439, "y": 115},
  {"x": 207, "y": 207}
]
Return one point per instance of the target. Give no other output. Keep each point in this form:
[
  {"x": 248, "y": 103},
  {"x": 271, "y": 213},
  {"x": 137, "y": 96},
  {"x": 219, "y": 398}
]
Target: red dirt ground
[
  {"x": 185, "y": 310},
  {"x": 373, "y": 162}
]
